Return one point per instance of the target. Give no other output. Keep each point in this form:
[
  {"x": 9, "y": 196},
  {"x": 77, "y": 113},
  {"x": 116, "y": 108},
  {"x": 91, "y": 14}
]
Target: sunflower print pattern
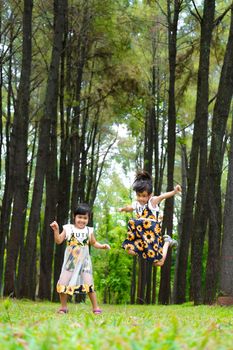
[
  {"x": 76, "y": 275},
  {"x": 144, "y": 236}
]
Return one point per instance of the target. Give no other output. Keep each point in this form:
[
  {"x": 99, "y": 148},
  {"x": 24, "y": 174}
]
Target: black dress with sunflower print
[{"x": 144, "y": 236}]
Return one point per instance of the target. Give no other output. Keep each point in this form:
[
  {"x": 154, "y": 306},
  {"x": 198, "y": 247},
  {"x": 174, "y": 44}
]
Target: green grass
[{"x": 36, "y": 325}]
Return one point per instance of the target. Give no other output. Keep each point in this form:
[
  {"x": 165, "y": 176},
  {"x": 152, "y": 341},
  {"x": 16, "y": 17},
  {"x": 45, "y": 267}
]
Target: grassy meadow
[{"x": 36, "y": 325}]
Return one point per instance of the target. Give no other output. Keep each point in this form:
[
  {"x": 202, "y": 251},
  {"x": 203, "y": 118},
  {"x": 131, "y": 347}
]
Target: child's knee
[
  {"x": 158, "y": 263},
  {"x": 131, "y": 252}
]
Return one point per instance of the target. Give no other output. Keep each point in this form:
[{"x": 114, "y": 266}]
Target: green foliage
[
  {"x": 113, "y": 271},
  {"x": 113, "y": 277},
  {"x": 37, "y": 326}
]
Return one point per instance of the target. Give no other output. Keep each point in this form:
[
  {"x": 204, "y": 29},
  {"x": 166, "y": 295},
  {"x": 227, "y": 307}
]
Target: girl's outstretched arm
[
  {"x": 157, "y": 199},
  {"x": 58, "y": 237},
  {"x": 127, "y": 208},
  {"x": 96, "y": 244}
]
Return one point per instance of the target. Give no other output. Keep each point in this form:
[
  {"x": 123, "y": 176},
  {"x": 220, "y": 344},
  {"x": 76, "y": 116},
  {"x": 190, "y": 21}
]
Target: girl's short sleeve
[
  {"x": 155, "y": 210},
  {"x": 90, "y": 232},
  {"x": 91, "y": 237},
  {"x": 68, "y": 230},
  {"x": 134, "y": 205}
]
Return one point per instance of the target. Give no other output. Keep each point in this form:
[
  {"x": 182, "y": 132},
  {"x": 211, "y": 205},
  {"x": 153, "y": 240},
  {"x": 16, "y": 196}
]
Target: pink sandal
[
  {"x": 97, "y": 311},
  {"x": 62, "y": 311}
]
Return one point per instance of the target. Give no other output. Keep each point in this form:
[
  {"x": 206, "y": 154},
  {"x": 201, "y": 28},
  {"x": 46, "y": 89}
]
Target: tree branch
[
  {"x": 220, "y": 18},
  {"x": 195, "y": 14}
]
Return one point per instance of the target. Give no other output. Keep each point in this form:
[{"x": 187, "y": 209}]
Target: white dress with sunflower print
[
  {"x": 76, "y": 274},
  {"x": 144, "y": 233}
]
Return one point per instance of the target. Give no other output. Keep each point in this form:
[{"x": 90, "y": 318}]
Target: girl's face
[
  {"x": 143, "y": 197},
  {"x": 80, "y": 221}
]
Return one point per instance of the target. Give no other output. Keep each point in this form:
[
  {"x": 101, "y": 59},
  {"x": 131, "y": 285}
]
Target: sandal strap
[
  {"x": 97, "y": 311},
  {"x": 63, "y": 311}
]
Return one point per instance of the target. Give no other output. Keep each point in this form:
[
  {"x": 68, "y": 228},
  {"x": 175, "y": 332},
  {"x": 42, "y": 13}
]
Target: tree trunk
[
  {"x": 201, "y": 115},
  {"x": 200, "y": 220},
  {"x": 150, "y": 144},
  {"x": 19, "y": 145},
  {"x": 9, "y": 170},
  {"x": 141, "y": 280},
  {"x": 47, "y": 240},
  {"x": 28, "y": 264},
  {"x": 220, "y": 116},
  {"x": 64, "y": 183},
  {"x": 184, "y": 169},
  {"x": 158, "y": 164},
  {"x": 133, "y": 281},
  {"x": 154, "y": 279},
  {"x": 2, "y": 235},
  {"x": 148, "y": 282},
  {"x": 226, "y": 271},
  {"x": 1, "y": 114},
  {"x": 163, "y": 157},
  {"x": 165, "y": 289},
  {"x": 148, "y": 139},
  {"x": 83, "y": 162},
  {"x": 82, "y": 49},
  {"x": 51, "y": 177}
]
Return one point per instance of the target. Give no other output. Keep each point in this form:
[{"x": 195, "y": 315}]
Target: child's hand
[
  {"x": 105, "y": 246},
  {"x": 178, "y": 189},
  {"x": 120, "y": 209},
  {"x": 54, "y": 225},
  {"x": 160, "y": 217}
]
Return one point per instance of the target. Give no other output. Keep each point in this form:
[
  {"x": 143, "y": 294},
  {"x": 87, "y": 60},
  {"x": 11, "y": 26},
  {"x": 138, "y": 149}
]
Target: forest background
[{"x": 90, "y": 92}]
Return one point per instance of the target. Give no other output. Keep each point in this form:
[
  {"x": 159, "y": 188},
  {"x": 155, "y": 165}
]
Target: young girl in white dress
[{"x": 76, "y": 274}]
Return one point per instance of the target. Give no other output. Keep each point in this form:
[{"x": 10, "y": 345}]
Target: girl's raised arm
[
  {"x": 58, "y": 237},
  {"x": 157, "y": 199}
]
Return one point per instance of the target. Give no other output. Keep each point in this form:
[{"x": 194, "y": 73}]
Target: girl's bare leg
[
  {"x": 93, "y": 299},
  {"x": 63, "y": 300},
  {"x": 162, "y": 261}
]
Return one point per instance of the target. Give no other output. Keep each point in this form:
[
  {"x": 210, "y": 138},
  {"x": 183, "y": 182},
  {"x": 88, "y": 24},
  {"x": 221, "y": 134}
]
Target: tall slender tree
[
  {"x": 65, "y": 163},
  {"x": 82, "y": 51},
  {"x": 19, "y": 139},
  {"x": 173, "y": 11},
  {"x": 9, "y": 164},
  {"x": 199, "y": 132},
  {"x": 226, "y": 271},
  {"x": 27, "y": 272},
  {"x": 214, "y": 175},
  {"x": 1, "y": 86}
]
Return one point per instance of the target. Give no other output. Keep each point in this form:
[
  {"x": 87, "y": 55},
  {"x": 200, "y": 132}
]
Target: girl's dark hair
[
  {"x": 82, "y": 209},
  {"x": 142, "y": 182}
]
